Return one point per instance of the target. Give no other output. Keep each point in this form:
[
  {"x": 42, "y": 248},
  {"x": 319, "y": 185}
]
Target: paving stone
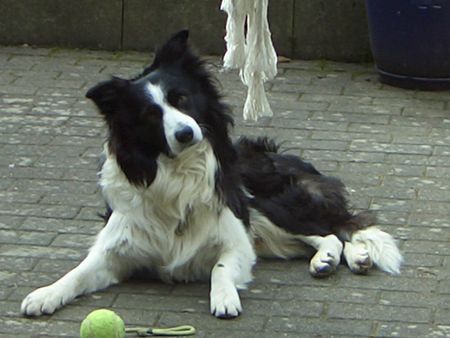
[
  {"x": 346, "y": 136},
  {"x": 444, "y": 287},
  {"x": 442, "y": 317},
  {"x": 292, "y": 307},
  {"x": 17, "y": 264},
  {"x": 10, "y": 222},
  {"x": 320, "y": 327},
  {"x": 89, "y": 213},
  {"x": 329, "y": 295},
  {"x": 73, "y": 241},
  {"x": 209, "y": 323},
  {"x": 379, "y": 312},
  {"x": 30, "y": 172},
  {"x": 55, "y": 265},
  {"x": 411, "y": 104},
  {"x": 410, "y": 330},
  {"x": 25, "y": 237},
  {"x": 423, "y": 233},
  {"x": 143, "y": 285},
  {"x": 28, "y": 279},
  {"x": 53, "y": 186},
  {"x": 385, "y": 282},
  {"x": 426, "y": 247},
  {"x": 388, "y": 145},
  {"x": 431, "y": 220},
  {"x": 93, "y": 200},
  {"x": 364, "y": 145},
  {"x": 441, "y": 151},
  {"x": 187, "y": 305},
  {"x": 59, "y": 225},
  {"x": 408, "y": 299},
  {"x": 36, "y": 251},
  {"x": 39, "y": 327},
  {"x": 42, "y": 210},
  {"x": 24, "y": 139}
]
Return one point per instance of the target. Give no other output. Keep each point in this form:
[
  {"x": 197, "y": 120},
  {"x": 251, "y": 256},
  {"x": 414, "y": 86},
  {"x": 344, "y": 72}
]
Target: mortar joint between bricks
[
  {"x": 374, "y": 331},
  {"x": 324, "y": 313}
]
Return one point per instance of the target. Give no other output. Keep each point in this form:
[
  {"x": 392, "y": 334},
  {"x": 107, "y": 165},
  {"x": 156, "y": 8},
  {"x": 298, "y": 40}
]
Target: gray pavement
[{"x": 390, "y": 146}]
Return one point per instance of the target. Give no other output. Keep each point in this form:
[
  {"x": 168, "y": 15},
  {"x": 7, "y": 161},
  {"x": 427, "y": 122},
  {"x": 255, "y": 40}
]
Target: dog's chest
[{"x": 173, "y": 220}]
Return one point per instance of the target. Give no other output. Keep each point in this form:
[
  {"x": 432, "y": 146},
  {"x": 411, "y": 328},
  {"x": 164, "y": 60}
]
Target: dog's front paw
[
  {"x": 45, "y": 300},
  {"x": 225, "y": 302},
  {"x": 323, "y": 264}
]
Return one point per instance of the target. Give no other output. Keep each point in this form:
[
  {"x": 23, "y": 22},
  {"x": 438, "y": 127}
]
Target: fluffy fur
[{"x": 188, "y": 204}]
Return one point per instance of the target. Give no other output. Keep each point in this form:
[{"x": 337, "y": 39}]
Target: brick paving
[{"x": 390, "y": 146}]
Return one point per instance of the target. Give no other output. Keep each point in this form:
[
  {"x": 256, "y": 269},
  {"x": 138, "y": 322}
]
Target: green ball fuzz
[{"x": 102, "y": 323}]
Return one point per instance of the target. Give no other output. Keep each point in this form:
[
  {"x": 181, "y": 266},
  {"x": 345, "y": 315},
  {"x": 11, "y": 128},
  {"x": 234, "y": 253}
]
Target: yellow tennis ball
[{"x": 102, "y": 323}]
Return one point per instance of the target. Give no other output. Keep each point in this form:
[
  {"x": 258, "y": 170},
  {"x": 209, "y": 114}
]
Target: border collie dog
[{"x": 188, "y": 204}]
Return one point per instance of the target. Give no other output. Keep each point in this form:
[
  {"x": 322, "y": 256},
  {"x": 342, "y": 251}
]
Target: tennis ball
[{"x": 102, "y": 323}]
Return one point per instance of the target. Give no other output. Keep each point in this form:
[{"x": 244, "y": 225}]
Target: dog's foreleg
[
  {"x": 97, "y": 271},
  {"x": 233, "y": 268},
  {"x": 328, "y": 255}
]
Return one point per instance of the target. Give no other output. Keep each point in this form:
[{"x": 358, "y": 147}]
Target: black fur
[
  {"x": 293, "y": 194},
  {"x": 288, "y": 190},
  {"x": 135, "y": 129}
]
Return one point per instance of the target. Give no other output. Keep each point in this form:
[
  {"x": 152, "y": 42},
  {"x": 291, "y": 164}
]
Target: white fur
[
  {"x": 180, "y": 229},
  {"x": 381, "y": 248},
  {"x": 328, "y": 255},
  {"x": 174, "y": 120},
  {"x": 272, "y": 241},
  {"x": 145, "y": 231},
  {"x": 250, "y": 50},
  {"x": 357, "y": 257}
]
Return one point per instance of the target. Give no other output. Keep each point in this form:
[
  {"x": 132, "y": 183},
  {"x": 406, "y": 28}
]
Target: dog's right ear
[
  {"x": 171, "y": 52},
  {"x": 106, "y": 94}
]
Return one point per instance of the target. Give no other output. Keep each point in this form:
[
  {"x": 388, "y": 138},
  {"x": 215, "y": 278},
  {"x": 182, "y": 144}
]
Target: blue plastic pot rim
[{"x": 443, "y": 80}]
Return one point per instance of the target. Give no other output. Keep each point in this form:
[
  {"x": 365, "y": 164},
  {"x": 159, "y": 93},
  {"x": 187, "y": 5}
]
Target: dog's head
[{"x": 171, "y": 106}]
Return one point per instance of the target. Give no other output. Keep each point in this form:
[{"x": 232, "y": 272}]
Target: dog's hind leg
[
  {"x": 328, "y": 255},
  {"x": 97, "y": 271},
  {"x": 232, "y": 270}
]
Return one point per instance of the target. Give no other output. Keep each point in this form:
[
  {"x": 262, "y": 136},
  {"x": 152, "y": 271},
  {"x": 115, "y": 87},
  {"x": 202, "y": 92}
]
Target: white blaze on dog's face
[
  {"x": 170, "y": 107},
  {"x": 180, "y": 130}
]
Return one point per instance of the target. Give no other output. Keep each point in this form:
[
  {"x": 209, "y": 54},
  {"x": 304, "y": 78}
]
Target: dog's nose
[{"x": 184, "y": 135}]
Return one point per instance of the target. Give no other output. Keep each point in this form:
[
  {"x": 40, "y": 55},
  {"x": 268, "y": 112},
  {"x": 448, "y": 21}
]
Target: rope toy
[
  {"x": 252, "y": 53},
  {"x": 183, "y": 330},
  {"x": 104, "y": 323}
]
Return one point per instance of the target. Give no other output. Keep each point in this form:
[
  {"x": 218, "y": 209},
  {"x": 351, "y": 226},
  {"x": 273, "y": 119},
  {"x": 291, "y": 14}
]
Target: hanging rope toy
[{"x": 252, "y": 53}]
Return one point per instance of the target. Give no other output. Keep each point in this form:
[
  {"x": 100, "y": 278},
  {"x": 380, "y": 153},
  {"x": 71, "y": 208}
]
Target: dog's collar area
[{"x": 182, "y": 224}]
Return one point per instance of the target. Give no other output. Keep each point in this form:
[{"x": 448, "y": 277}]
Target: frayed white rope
[{"x": 252, "y": 53}]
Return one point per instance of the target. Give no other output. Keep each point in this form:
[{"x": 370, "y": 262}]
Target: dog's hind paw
[
  {"x": 45, "y": 300},
  {"x": 357, "y": 257},
  {"x": 225, "y": 302}
]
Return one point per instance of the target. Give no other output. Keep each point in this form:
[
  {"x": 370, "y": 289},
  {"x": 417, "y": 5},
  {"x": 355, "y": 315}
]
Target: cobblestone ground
[{"x": 390, "y": 146}]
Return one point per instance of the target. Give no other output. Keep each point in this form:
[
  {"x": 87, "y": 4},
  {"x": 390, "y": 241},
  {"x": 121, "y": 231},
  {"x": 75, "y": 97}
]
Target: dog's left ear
[{"x": 171, "y": 52}]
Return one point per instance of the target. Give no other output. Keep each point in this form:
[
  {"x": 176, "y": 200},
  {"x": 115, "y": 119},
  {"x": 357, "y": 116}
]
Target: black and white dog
[{"x": 188, "y": 204}]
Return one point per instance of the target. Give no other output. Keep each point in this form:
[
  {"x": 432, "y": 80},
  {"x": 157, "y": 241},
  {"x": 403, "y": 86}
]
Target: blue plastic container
[{"x": 410, "y": 42}]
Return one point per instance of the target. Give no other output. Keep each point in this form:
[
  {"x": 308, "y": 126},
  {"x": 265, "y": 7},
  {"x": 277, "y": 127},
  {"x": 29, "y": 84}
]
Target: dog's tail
[{"x": 381, "y": 247}]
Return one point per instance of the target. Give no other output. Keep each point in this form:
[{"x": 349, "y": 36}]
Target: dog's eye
[{"x": 178, "y": 99}]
